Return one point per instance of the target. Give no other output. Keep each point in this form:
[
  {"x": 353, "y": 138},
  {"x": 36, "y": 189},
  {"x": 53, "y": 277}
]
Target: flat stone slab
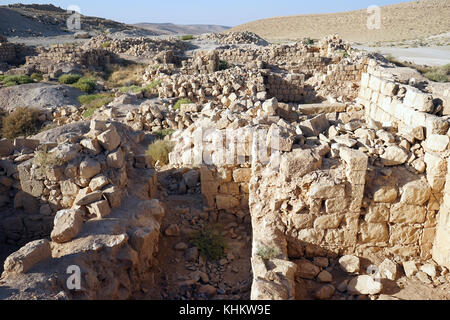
[{"x": 318, "y": 108}]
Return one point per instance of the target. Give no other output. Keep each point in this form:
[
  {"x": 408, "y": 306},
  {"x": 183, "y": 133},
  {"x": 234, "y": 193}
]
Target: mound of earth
[{"x": 38, "y": 95}]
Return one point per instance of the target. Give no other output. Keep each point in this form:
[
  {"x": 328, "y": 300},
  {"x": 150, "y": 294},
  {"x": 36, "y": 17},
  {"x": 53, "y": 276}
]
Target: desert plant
[
  {"x": 268, "y": 253},
  {"x": 70, "y": 78},
  {"x": 106, "y": 44},
  {"x": 223, "y": 65},
  {"x": 14, "y": 80},
  {"x": 209, "y": 242},
  {"x": 93, "y": 102},
  {"x": 21, "y": 122},
  {"x": 125, "y": 75},
  {"x": 37, "y": 77},
  {"x": 187, "y": 37},
  {"x": 133, "y": 89},
  {"x": 309, "y": 41},
  {"x": 161, "y": 134},
  {"x": 159, "y": 150},
  {"x": 180, "y": 102},
  {"x": 46, "y": 160},
  {"x": 85, "y": 84}
]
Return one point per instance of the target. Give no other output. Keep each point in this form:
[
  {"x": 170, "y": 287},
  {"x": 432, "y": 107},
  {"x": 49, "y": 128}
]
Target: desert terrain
[{"x": 273, "y": 161}]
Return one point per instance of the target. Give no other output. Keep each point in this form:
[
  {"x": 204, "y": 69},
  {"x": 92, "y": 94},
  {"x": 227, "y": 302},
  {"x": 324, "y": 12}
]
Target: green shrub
[
  {"x": 133, "y": 89},
  {"x": 309, "y": 41},
  {"x": 85, "y": 84},
  {"x": 161, "y": 134},
  {"x": 37, "y": 77},
  {"x": 106, "y": 44},
  {"x": 159, "y": 150},
  {"x": 93, "y": 102},
  {"x": 209, "y": 242},
  {"x": 21, "y": 122},
  {"x": 268, "y": 253},
  {"x": 223, "y": 65},
  {"x": 69, "y": 78},
  {"x": 9, "y": 81},
  {"x": 177, "y": 105},
  {"x": 187, "y": 37}
]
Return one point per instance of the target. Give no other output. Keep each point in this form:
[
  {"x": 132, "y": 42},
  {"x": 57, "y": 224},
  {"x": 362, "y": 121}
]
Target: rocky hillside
[
  {"x": 405, "y": 21},
  {"x": 20, "y": 20}
]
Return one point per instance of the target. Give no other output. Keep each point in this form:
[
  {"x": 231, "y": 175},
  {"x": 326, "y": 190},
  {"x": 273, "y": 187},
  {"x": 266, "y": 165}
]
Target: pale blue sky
[{"x": 225, "y": 12}]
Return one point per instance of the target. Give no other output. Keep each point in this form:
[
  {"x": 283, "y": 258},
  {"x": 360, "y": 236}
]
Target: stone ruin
[{"x": 330, "y": 154}]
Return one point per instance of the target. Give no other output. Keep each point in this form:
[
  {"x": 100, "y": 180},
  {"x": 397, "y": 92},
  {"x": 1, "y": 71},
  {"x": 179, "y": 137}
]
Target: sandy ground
[{"x": 432, "y": 56}]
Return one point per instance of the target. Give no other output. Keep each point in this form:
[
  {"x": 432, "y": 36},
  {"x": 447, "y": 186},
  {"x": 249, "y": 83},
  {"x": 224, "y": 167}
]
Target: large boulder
[{"x": 28, "y": 256}]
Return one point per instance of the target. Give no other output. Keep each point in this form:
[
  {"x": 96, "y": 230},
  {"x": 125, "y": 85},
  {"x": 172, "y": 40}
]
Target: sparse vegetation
[
  {"x": 106, "y": 44},
  {"x": 133, "y": 89},
  {"x": 93, "y": 102},
  {"x": 161, "y": 134},
  {"x": 224, "y": 65},
  {"x": 21, "y": 122},
  {"x": 85, "y": 84},
  {"x": 37, "y": 77},
  {"x": 70, "y": 78},
  {"x": 46, "y": 160},
  {"x": 209, "y": 241},
  {"x": 268, "y": 253},
  {"x": 125, "y": 75},
  {"x": 159, "y": 150},
  {"x": 177, "y": 105},
  {"x": 14, "y": 80},
  {"x": 437, "y": 74},
  {"x": 187, "y": 37},
  {"x": 309, "y": 41}
]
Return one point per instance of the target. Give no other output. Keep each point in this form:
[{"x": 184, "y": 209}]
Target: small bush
[
  {"x": 159, "y": 150},
  {"x": 93, "y": 102},
  {"x": 187, "y": 37},
  {"x": 21, "y": 122},
  {"x": 9, "y": 81},
  {"x": 85, "y": 84},
  {"x": 268, "y": 253},
  {"x": 125, "y": 75},
  {"x": 37, "y": 77},
  {"x": 133, "y": 89},
  {"x": 47, "y": 160},
  {"x": 309, "y": 41},
  {"x": 223, "y": 65},
  {"x": 209, "y": 242},
  {"x": 69, "y": 78},
  {"x": 106, "y": 44},
  {"x": 161, "y": 134},
  {"x": 177, "y": 105}
]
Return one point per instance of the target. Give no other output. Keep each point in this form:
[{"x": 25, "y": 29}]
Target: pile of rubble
[{"x": 235, "y": 38}]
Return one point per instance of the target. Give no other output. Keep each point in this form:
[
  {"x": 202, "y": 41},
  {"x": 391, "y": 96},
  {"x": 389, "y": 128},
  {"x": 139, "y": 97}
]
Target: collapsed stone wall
[{"x": 82, "y": 182}]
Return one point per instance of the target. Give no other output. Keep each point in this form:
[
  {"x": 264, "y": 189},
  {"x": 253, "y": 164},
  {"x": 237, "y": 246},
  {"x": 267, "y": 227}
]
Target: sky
[{"x": 224, "y": 12}]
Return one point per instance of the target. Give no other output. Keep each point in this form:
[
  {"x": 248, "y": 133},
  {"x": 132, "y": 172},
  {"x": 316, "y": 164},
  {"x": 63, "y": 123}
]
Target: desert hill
[
  {"x": 179, "y": 29},
  {"x": 405, "y": 21}
]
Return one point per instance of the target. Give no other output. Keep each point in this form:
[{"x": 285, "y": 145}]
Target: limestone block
[
  {"x": 404, "y": 235},
  {"x": 416, "y": 192},
  {"x": 109, "y": 139},
  {"x": 405, "y": 213},
  {"x": 226, "y": 202},
  {"x": 6, "y": 148},
  {"x": 378, "y": 213},
  {"x": 89, "y": 168},
  {"x": 100, "y": 209},
  {"x": 67, "y": 226},
  {"x": 437, "y": 143},
  {"x": 374, "y": 232},
  {"x": 28, "y": 256},
  {"x": 394, "y": 156}
]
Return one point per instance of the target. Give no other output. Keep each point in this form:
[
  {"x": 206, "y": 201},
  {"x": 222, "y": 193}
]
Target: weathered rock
[
  {"x": 6, "y": 148},
  {"x": 89, "y": 198},
  {"x": 109, "y": 139},
  {"x": 89, "y": 168},
  {"x": 364, "y": 285},
  {"x": 325, "y": 277},
  {"x": 410, "y": 268},
  {"x": 325, "y": 292},
  {"x": 315, "y": 126},
  {"x": 28, "y": 256},
  {"x": 306, "y": 269},
  {"x": 116, "y": 159},
  {"x": 388, "y": 270},
  {"x": 191, "y": 178},
  {"x": 350, "y": 264},
  {"x": 68, "y": 224},
  {"x": 100, "y": 208},
  {"x": 394, "y": 156}
]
